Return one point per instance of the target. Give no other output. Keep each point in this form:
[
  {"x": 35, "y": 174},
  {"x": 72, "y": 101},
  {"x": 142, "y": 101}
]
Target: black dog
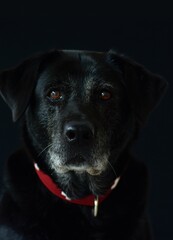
[{"x": 75, "y": 177}]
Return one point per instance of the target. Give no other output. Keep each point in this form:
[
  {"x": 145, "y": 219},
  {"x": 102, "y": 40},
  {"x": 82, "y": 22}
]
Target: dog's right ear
[{"x": 17, "y": 84}]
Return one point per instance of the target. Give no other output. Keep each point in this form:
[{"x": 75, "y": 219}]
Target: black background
[{"x": 142, "y": 30}]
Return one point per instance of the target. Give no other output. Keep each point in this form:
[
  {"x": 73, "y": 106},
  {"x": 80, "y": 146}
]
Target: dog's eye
[
  {"x": 55, "y": 95},
  {"x": 105, "y": 95}
]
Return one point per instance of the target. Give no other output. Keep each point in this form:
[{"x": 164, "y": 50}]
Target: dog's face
[
  {"x": 76, "y": 116},
  {"x": 81, "y": 108}
]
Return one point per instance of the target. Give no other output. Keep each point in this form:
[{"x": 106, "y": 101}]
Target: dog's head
[{"x": 81, "y": 108}]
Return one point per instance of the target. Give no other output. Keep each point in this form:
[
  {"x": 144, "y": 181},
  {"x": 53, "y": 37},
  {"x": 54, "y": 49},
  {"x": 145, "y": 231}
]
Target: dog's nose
[{"x": 76, "y": 131}]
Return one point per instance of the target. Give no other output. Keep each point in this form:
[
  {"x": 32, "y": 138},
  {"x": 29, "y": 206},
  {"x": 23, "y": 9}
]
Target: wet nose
[{"x": 76, "y": 131}]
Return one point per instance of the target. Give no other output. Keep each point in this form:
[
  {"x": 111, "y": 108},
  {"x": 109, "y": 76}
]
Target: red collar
[{"x": 90, "y": 200}]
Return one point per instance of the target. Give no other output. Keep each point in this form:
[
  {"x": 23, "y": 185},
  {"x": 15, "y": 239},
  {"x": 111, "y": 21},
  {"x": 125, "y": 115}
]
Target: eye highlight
[
  {"x": 105, "y": 95},
  {"x": 55, "y": 95}
]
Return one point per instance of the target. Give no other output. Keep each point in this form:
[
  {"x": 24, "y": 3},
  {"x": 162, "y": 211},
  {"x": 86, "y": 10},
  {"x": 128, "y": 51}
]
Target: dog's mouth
[
  {"x": 80, "y": 169},
  {"x": 79, "y": 164}
]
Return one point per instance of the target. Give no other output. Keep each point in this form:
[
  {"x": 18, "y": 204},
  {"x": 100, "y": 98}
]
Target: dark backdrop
[{"x": 141, "y": 30}]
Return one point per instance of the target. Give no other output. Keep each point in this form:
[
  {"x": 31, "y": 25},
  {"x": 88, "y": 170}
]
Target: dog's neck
[{"x": 89, "y": 200}]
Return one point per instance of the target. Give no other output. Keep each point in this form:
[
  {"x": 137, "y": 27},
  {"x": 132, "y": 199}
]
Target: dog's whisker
[
  {"x": 44, "y": 149},
  {"x": 112, "y": 168}
]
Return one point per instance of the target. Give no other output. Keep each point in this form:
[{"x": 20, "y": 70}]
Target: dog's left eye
[
  {"x": 105, "y": 95},
  {"x": 54, "y": 95}
]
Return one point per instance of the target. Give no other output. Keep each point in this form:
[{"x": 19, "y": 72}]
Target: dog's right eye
[
  {"x": 55, "y": 95},
  {"x": 105, "y": 95}
]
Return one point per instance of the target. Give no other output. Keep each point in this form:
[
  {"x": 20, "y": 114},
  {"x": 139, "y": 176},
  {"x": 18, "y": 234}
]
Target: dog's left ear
[
  {"x": 144, "y": 88},
  {"x": 17, "y": 84}
]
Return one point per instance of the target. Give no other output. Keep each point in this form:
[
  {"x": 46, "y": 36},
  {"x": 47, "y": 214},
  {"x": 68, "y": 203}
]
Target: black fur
[{"x": 82, "y": 140}]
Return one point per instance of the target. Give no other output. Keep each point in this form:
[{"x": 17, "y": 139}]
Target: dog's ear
[
  {"x": 144, "y": 88},
  {"x": 16, "y": 85}
]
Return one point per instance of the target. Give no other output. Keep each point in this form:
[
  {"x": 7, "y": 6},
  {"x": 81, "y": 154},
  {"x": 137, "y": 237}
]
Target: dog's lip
[
  {"x": 79, "y": 164},
  {"x": 90, "y": 170},
  {"x": 79, "y": 169},
  {"x": 94, "y": 172}
]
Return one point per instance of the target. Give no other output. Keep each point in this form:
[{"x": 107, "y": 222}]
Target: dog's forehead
[
  {"x": 76, "y": 62},
  {"x": 78, "y": 67}
]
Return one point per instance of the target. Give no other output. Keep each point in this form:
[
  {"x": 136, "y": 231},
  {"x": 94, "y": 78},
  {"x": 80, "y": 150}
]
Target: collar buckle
[{"x": 96, "y": 206}]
